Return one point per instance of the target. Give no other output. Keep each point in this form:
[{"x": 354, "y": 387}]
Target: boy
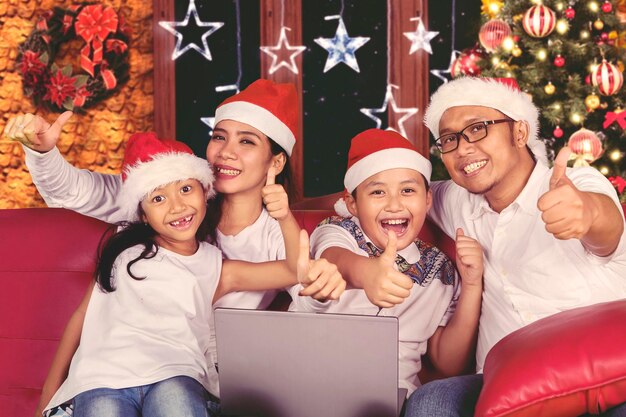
[{"x": 387, "y": 198}]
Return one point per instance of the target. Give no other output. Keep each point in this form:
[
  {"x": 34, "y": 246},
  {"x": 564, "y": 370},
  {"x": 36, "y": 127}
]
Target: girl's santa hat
[
  {"x": 267, "y": 106},
  {"x": 374, "y": 151},
  {"x": 502, "y": 94},
  {"x": 150, "y": 162}
]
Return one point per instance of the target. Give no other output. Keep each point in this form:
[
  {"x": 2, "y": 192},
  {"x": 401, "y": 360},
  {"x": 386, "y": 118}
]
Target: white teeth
[
  {"x": 473, "y": 166},
  {"x": 228, "y": 171},
  {"x": 394, "y": 221},
  {"x": 178, "y": 222}
]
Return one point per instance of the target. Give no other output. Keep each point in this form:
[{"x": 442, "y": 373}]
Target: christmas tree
[{"x": 569, "y": 56}]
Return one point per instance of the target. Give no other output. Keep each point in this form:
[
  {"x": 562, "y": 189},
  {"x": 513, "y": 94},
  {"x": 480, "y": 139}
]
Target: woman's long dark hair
[
  {"x": 128, "y": 235},
  {"x": 214, "y": 209}
]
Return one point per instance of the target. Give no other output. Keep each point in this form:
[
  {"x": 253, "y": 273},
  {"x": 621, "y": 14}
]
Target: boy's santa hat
[
  {"x": 502, "y": 94},
  {"x": 150, "y": 162},
  {"x": 267, "y": 106},
  {"x": 374, "y": 151}
]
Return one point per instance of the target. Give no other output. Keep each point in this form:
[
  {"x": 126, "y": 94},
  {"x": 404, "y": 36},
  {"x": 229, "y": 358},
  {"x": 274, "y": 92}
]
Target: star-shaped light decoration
[
  {"x": 420, "y": 39},
  {"x": 210, "y": 121},
  {"x": 439, "y": 73},
  {"x": 171, "y": 28},
  {"x": 342, "y": 47},
  {"x": 390, "y": 100},
  {"x": 281, "y": 51}
]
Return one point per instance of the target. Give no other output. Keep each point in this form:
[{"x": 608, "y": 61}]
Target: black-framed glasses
[{"x": 472, "y": 133}]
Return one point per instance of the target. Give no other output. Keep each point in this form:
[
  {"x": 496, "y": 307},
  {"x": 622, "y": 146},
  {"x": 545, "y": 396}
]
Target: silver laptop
[{"x": 291, "y": 364}]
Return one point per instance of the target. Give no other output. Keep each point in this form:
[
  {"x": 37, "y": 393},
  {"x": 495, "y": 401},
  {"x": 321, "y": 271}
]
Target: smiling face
[
  {"x": 241, "y": 156},
  {"x": 175, "y": 211},
  {"x": 393, "y": 200},
  {"x": 497, "y": 166}
]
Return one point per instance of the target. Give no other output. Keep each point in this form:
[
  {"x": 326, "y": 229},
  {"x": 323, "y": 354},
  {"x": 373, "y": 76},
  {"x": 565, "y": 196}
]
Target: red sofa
[{"x": 46, "y": 260}]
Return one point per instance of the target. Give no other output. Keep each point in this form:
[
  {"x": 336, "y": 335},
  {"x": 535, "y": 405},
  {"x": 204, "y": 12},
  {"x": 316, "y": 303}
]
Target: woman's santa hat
[
  {"x": 267, "y": 106},
  {"x": 374, "y": 151},
  {"x": 150, "y": 162},
  {"x": 502, "y": 94}
]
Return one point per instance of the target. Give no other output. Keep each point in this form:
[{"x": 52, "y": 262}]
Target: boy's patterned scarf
[{"x": 432, "y": 263}]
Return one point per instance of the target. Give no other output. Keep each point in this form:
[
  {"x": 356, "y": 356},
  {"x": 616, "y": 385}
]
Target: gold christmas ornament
[
  {"x": 491, "y": 8},
  {"x": 592, "y": 101},
  {"x": 598, "y": 24},
  {"x": 516, "y": 52},
  {"x": 549, "y": 88}
]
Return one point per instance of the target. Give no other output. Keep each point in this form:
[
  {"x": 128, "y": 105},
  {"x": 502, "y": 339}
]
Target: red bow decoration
[
  {"x": 612, "y": 117},
  {"x": 108, "y": 77},
  {"x": 94, "y": 23},
  {"x": 619, "y": 183}
]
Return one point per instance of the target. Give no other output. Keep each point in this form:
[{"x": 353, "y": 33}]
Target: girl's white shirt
[{"x": 151, "y": 329}]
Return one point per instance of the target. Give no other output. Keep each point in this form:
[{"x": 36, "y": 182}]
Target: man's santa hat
[
  {"x": 150, "y": 162},
  {"x": 374, "y": 151},
  {"x": 502, "y": 94},
  {"x": 267, "y": 106}
]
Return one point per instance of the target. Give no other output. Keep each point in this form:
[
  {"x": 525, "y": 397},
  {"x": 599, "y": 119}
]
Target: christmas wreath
[{"x": 103, "y": 58}]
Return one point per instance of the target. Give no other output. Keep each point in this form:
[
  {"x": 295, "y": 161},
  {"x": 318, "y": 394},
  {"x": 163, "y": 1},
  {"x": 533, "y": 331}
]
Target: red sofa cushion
[{"x": 564, "y": 365}]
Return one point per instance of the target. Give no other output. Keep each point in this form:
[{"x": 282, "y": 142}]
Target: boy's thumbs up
[
  {"x": 560, "y": 165},
  {"x": 271, "y": 176},
  {"x": 391, "y": 250}
]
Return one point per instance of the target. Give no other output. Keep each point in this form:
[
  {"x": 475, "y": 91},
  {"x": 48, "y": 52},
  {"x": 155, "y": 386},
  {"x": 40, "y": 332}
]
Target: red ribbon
[
  {"x": 109, "y": 79},
  {"x": 94, "y": 23},
  {"x": 612, "y": 117}
]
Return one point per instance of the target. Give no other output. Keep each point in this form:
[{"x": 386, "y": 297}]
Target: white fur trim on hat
[
  {"x": 341, "y": 208},
  {"x": 383, "y": 160},
  {"x": 259, "y": 118},
  {"x": 473, "y": 91},
  {"x": 165, "y": 168}
]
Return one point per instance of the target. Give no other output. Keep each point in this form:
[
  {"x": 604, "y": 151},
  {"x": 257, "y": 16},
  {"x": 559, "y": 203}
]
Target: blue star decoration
[
  {"x": 342, "y": 47},
  {"x": 171, "y": 28},
  {"x": 406, "y": 112},
  {"x": 283, "y": 49},
  {"x": 420, "y": 39}
]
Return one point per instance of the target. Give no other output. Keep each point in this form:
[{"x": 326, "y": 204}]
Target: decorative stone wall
[{"x": 94, "y": 140}]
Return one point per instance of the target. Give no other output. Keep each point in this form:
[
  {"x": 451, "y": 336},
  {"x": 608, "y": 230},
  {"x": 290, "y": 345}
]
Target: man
[{"x": 525, "y": 216}]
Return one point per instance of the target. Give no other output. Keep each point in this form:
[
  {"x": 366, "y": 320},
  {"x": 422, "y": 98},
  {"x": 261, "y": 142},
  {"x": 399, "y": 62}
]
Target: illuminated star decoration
[
  {"x": 420, "y": 39},
  {"x": 210, "y": 121},
  {"x": 342, "y": 47},
  {"x": 439, "y": 73},
  {"x": 283, "y": 49},
  {"x": 390, "y": 100},
  {"x": 171, "y": 28}
]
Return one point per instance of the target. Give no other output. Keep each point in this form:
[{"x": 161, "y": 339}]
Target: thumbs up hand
[
  {"x": 35, "y": 132},
  {"x": 320, "y": 278},
  {"x": 567, "y": 212},
  {"x": 275, "y": 197},
  {"x": 469, "y": 259},
  {"x": 383, "y": 284}
]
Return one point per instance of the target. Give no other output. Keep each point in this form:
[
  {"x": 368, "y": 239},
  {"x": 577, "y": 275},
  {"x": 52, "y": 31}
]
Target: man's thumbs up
[
  {"x": 391, "y": 250},
  {"x": 35, "y": 132},
  {"x": 560, "y": 166}
]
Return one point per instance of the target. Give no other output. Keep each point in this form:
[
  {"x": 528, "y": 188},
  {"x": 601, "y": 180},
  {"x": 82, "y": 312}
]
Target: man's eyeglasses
[{"x": 472, "y": 133}]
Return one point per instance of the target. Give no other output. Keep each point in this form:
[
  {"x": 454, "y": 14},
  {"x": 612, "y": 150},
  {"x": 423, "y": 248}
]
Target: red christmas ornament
[
  {"x": 586, "y": 146},
  {"x": 493, "y": 33},
  {"x": 539, "y": 21},
  {"x": 558, "y": 132},
  {"x": 588, "y": 79},
  {"x": 467, "y": 63},
  {"x": 608, "y": 78},
  {"x": 604, "y": 36},
  {"x": 570, "y": 13},
  {"x": 559, "y": 61},
  {"x": 607, "y": 7}
]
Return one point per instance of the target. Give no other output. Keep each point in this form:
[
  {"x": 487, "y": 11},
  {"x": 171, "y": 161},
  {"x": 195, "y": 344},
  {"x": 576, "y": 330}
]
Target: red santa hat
[
  {"x": 150, "y": 162},
  {"x": 374, "y": 151},
  {"x": 267, "y": 106},
  {"x": 502, "y": 94}
]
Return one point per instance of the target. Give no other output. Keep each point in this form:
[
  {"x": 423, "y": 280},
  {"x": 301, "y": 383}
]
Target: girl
[
  {"x": 146, "y": 328},
  {"x": 254, "y": 131}
]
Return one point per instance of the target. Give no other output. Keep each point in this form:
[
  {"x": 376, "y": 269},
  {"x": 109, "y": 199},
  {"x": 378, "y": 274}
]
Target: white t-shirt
[
  {"x": 419, "y": 316},
  {"x": 151, "y": 329},
  {"x": 529, "y": 274}
]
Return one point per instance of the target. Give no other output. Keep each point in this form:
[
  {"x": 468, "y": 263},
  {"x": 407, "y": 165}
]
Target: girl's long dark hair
[
  {"x": 128, "y": 235},
  {"x": 214, "y": 209}
]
